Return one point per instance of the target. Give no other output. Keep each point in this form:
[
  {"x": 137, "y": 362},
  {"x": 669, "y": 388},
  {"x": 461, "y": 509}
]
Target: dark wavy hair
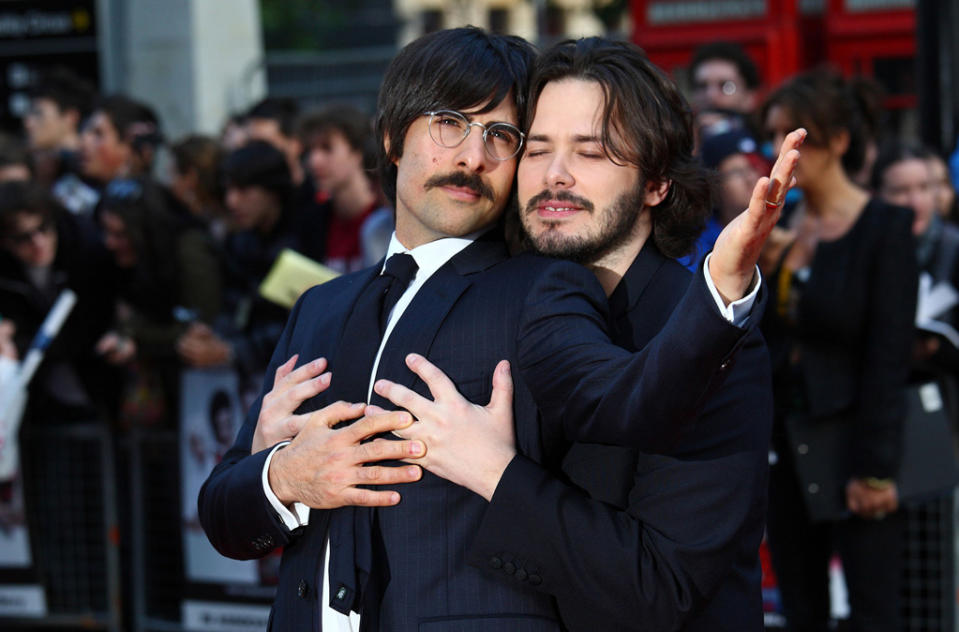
[
  {"x": 825, "y": 103},
  {"x": 646, "y": 123},
  {"x": 455, "y": 69}
]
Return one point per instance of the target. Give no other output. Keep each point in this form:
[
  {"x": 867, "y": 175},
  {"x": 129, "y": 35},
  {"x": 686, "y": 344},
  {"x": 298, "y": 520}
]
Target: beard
[{"x": 613, "y": 227}]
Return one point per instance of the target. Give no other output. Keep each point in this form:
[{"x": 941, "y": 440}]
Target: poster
[{"x": 211, "y": 413}]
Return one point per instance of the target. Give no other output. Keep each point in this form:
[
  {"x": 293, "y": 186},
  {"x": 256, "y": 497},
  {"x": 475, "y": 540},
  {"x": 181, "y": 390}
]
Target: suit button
[
  {"x": 724, "y": 365},
  {"x": 268, "y": 542},
  {"x": 535, "y": 580},
  {"x": 520, "y": 574},
  {"x": 813, "y": 488},
  {"x": 508, "y": 568},
  {"x": 302, "y": 589},
  {"x": 495, "y": 562}
]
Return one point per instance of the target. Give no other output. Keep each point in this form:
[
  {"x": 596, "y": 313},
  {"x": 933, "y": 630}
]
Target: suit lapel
[
  {"x": 423, "y": 318},
  {"x": 333, "y": 347}
]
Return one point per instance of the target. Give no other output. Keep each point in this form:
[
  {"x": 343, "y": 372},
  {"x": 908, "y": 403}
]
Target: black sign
[{"x": 36, "y": 37}]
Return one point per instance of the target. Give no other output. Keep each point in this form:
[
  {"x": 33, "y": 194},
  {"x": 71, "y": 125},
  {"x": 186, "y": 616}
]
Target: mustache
[
  {"x": 562, "y": 196},
  {"x": 470, "y": 181}
]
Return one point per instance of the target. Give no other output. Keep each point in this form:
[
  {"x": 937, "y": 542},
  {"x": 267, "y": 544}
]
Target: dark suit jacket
[
  {"x": 854, "y": 327},
  {"x": 635, "y": 541},
  {"x": 547, "y": 317}
]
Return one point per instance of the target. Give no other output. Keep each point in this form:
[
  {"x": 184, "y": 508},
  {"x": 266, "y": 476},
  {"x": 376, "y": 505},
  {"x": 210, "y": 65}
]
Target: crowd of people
[{"x": 168, "y": 267}]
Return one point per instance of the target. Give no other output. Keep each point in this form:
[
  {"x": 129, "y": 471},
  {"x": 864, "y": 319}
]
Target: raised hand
[
  {"x": 733, "y": 261},
  {"x": 466, "y": 443}
]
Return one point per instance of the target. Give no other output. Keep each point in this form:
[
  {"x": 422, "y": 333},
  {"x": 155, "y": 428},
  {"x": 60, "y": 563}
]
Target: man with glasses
[{"x": 468, "y": 306}]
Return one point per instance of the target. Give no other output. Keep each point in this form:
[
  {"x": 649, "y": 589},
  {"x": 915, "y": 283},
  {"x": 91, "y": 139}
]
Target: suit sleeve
[
  {"x": 604, "y": 394},
  {"x": 233, "y": 508},
  {"x": 653, "y": 564}
]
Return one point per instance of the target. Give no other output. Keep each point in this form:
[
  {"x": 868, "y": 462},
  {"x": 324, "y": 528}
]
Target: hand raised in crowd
[
  {"x": 871, "y": 501},
  {"x": 323, "y": 467},
  {"x": 200, "y": 347},
  {"x": 467, "y": 444},
  {"x": 733, "y": 261},
  {"x": 116, "y": 348}
]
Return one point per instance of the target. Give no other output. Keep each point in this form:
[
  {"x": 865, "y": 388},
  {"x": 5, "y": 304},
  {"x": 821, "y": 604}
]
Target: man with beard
[
  {"x": 625, "y": 540},
  {"x": 467, "y": 307}
]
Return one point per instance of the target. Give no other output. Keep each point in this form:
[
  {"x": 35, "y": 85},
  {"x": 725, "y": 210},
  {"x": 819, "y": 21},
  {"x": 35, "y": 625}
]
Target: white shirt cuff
[
  {"x": 292, "y": 520},
  {"x": 736, "y": 312}
]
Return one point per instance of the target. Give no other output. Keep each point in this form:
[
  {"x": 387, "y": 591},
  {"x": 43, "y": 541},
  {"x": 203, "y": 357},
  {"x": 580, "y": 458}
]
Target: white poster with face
[
  {"x": 14, "y": 536},
  {"x": 210, "y": 417}
]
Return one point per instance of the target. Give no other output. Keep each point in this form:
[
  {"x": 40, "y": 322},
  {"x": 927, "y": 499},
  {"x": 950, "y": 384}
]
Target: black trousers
[{"x": 870, "y": 550}]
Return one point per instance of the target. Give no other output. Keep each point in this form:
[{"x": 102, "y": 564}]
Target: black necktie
[
  {"x": 365, "y": 326},
  {"x": 350, "y": 528}
]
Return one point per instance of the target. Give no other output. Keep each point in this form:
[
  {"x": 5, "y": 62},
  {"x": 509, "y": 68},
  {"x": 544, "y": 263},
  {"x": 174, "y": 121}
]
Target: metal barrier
[
  {"x": 71, "y": 510},
  {"x": 928, "y": 587}
]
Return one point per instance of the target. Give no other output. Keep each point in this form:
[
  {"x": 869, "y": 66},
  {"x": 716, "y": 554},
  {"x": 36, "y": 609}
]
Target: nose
[
  {"x": 471, "y": 153},
  {"x": 558, "y": 175}
]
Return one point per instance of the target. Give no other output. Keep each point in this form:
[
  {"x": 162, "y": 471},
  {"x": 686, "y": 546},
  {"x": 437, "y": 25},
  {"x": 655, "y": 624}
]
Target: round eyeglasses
[{"x": 449, "y": 129}]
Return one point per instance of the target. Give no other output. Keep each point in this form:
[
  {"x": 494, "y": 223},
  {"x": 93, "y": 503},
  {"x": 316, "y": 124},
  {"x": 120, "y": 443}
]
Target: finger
[
  {"x": 502, "y": 397},
  {"x": 292, "y": 397},
  {"x": 387, "y": 475},
  {"x": 372, "y": 409},
  {"x": 294, "y": 424},
  {"x": 284, "y": 369},
  {"x": 370, "y": 426},
  {"x": 335, "y": 413},
  {"x": 757, "y": 203},
  {"x": 403, "y": 397},
  {"x": 440, "y": 386},
  {"x": 303, "y": 374},
  {"x": 388, "y": 450}
]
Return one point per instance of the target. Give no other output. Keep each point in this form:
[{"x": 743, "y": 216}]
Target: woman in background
[{"x": 839, "y": 326}]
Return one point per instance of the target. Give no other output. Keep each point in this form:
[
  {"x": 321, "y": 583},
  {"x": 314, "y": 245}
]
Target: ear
[
  {"x": 386, "y": 148},
  {"x": 839, "y": 142},
  {"x": 656, "y": 192}
]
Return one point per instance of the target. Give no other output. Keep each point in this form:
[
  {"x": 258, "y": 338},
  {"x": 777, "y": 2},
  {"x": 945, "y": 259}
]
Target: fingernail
[
  {"x": 506, "y": 369},
  {"x": 412, "y": 359},
  {"x": 357, "y": 405},
  {"x": 316, "y": 363},
  {"x": 416, "y": 448},
  {"x": 325, "y": 378},
  {"x": 413, "y": 471}
]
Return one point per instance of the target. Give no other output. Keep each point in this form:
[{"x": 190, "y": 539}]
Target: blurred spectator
[
  {"x": 735, "y": 158},
  {"x": 59, "y": 104},
  {"x": 169, "y": 278},
  {"x": 258, "y": 193},
  {"x": 15, "y": 162},
  {"x": 722, "y": 75},
  {"x": 354, "y": 222},
  {"x": 119, "y": 140},
  {"x": 274, "y": 120},
  {"x": 903, "y": 176},
  {"x": 839, "y": 326},
  {"x": 195, "y": 181},
  {"x": 945, "y": 192},
  {"x": 45, "y": 250},
  {"x": 234, "y": 135}
]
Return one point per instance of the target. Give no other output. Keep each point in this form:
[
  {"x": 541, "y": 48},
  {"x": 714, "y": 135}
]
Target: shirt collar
[{"x": 431, "y": 256}]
